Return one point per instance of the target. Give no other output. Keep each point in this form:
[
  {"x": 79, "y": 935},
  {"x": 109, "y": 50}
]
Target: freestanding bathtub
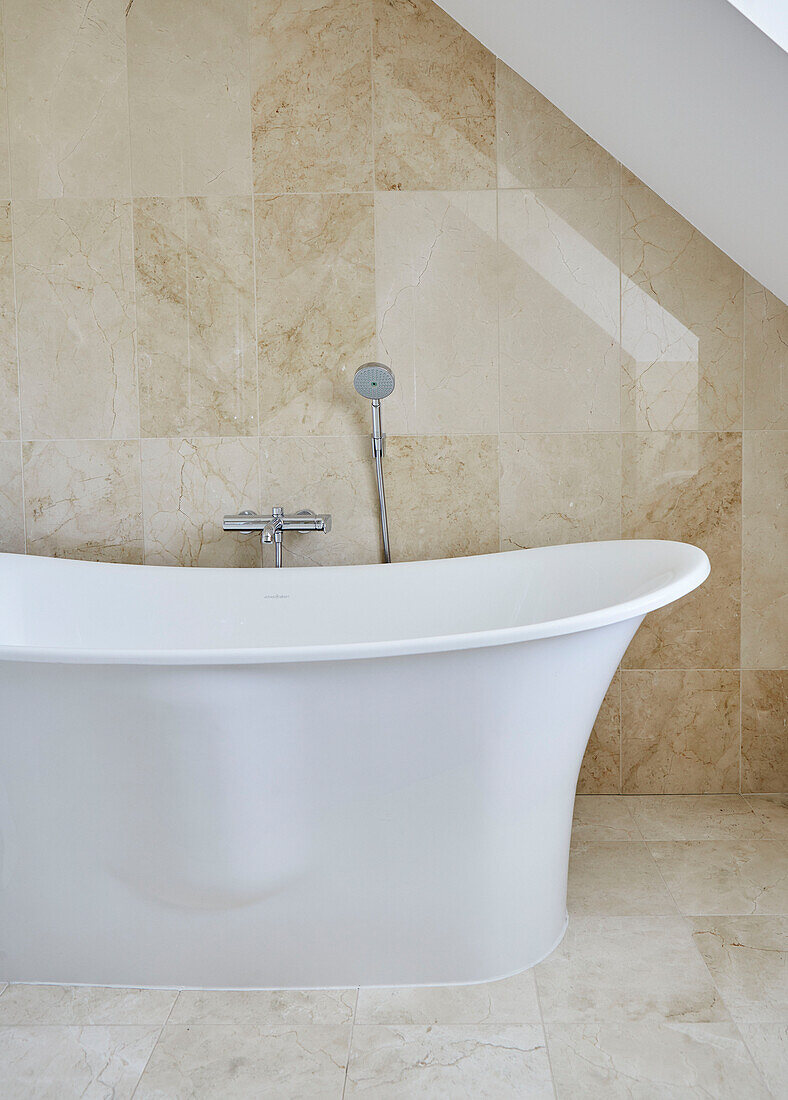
[{"x": 305, "y": 777}]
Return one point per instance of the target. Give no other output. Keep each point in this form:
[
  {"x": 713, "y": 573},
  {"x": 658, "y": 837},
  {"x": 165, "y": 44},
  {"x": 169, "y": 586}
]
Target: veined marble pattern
[
  {"x": 75, "y": 318},
  {"x": 311, "y": 95},
  {"x": 650, "y": 1004},
  {"x": 687, "y": 486},
  {"x": 764, "y": 550},
  {"x": 292, "y": 1061},
  {"x": 748, "y": 960},
  {"x": 9, "y": 370},
  {"x": 189, "y": 97},
  {"x": 696, "y": 817},
  {"x": 559, "y": 488},
  {"x": 672, "y": 1061},
  {"x": 329, "y": 474},
  {"x": 764, "y": 731},
  {"x": 434, "y": 101},
  {"x": 83, "y": 500},
  {"x": 600, "y": 772},
  {"x": 187, "y": 486},
  {"x": 40, "y": 1062},
  {"x": 765, "y": 358},
  {"x": 67, "y": 98},
  {"x": 682, "y": 315},
  {"x": 538, "y": 146},
  {"x": 679, "y": 732},
  {"x": 419, "y": 471},
  {"x": 559, "y": 309},
  {"x": 726, "y": 877},
  {"x": 12, "y": 520},
  {"x": 505, "y": 1061},
  {"x": 5, "y": 159},
  {"x": 315, "y": 311},
  {"x": 438, "y": 310},
  {"x": 195, "y": 309}
]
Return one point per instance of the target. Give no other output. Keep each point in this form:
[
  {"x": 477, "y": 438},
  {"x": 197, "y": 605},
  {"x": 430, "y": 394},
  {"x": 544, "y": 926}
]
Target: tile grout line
[
  {"x": 544, "y": 1025},
  {"x": 350, "y": 1041},
  {"x": 156, "y": 1043}
]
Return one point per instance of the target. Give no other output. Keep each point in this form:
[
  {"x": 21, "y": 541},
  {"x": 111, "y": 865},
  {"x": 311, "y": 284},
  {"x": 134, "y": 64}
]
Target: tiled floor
[{"x": 672, "y": 982}]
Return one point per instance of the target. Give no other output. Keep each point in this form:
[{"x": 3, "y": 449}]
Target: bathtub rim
[{"x": 691, "y": 568}]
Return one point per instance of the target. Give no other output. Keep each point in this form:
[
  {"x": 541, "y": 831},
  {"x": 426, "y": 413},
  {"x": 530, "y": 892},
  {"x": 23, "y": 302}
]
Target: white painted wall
[{"x": 691, "y": 96}]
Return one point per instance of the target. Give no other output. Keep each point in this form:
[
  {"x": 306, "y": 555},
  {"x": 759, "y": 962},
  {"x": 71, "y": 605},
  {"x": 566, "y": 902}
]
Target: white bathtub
[{"x": 306, "y": 777}]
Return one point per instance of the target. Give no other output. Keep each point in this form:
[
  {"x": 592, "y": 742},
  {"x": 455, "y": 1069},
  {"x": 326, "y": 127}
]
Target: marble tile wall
[{"x": 211, "y": 214}]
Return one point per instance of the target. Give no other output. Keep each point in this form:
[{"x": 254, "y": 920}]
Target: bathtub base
[{"x": 393, "y": 821}]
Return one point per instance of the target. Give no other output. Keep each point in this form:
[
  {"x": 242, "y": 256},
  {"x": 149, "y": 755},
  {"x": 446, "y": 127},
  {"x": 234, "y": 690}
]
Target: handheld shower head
[{"x": 374, "y": 381}]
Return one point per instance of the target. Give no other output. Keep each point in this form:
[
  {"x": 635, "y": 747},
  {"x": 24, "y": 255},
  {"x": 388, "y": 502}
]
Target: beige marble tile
[
  {"x": 454, "y": 477},
  {"x": 315, "y": 311},
  {"x": 9, "y": 370},
  {"x": 83, "y": 500},
  {"x": 764, "y": 550},
  {"x": 687, "y": 486},
  {"x": 559, "y": 310},
  {"x": 195, "y": 310},
  {"x": 67, "y": 98},
  {"x": 729, "y": 877},
  {"x": 682, "y": 317},
  {"x": 538, "y": 146},
  {"x": 696, "y": 817},
  {"x": 765, "y": 358},
  {"x": 600, "y": 818},
  {"x": 261, "y": 1007},
  {"x": 437, "y": 309},
  {"x": 75, "y": 317},
  {"x": 391, "y": 1063},
  {"x": 768, "y": 1044},
  {"x": 215, "y": 1062},
  {"x": 511, "y": 1001},
  {"x": 328, "y": 474},
  {"x": 773, "y": 810},
  {"x": 434, "y": 100},
  {"x": 52, "y": 1063},
  {"x": 615, "y": 879},
  {"x": 669, "y": 1061},
  {"x": 312, "y": 132},
  {"x": 5, "y": 160},
  {"x": 748, "y": 960},
  {"x": 600, "y": 772},
  {"x": 187, "y": 486},
  {"x": 559, "y": 488},
  {"x": 626, "y": 969},
  {"x": 680, "y": 732},
  {"x": 764, "y": 731},
  {"x": 189, "y": 97},
  {"x": 84, "y": 1005},
  {"x": 12, "y": 518}
]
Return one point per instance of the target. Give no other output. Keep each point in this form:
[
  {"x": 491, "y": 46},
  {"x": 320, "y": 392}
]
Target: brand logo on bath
[{"x": 277, "y": 596}]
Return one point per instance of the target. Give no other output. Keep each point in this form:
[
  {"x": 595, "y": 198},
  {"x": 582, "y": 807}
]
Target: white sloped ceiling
[{"x": 690, "y": 94}]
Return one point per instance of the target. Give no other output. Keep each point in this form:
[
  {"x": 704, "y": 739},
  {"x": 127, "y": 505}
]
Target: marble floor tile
[
  {"x": 773, "y": 808},
  {"x": 394, "y": 1063},
  {"x": 695, "y": 817},
  {"x": 85, "y": 1005},
  {"x": 603, "y": 817},
  {"x": 624, "y": 969},
  {"x": 730, "y": 877},
  {"x": 616, "y": 879},
  {"x": 246, "y": 1062},
  {"x": 510, "y": 1001},
  {"x": 748, "y": 960},
  {"x": 768, "y": 1045},
  {"x": 57, "y": 1063},
  {"x": 262, "y": 1007},
  {"x": 668, "y": 1061}
]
